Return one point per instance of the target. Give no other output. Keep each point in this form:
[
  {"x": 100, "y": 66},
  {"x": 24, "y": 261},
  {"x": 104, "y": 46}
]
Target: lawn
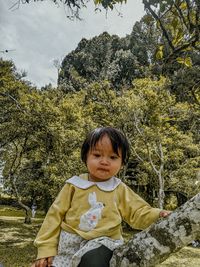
[
  {"x": 16, "y": 238},
  {"x": 16, "y": 241},
  {"x": 17, "y": 250}
]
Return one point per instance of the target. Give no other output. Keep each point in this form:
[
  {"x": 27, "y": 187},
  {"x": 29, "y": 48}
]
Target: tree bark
[
  {"x": 27, "y": 210},
  {"x": 157, "y": 242}
]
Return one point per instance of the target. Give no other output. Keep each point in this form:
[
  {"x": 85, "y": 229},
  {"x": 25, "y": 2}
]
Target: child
[{"x": 83, "y": 225}]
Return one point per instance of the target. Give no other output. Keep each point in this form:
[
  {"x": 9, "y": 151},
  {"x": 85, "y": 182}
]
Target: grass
[
  {"x": 16, "y": 241},
  {"x": 16, "y": 212},
  {"x": 187, "y": 257},
  {"x": 16, "y": 238},
  {"x": 17, "y": 250}
]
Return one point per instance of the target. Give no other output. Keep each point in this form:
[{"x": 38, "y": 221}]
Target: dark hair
[{"x": 117, "y": 138}]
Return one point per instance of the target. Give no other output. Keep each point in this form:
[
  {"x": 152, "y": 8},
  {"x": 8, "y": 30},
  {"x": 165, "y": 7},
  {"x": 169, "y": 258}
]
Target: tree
[
  {"x": 38, "y": 140},
  {"x": 179, "y": 22},
  {"x": 48, "y": 156},
  {"x": 12, "y": 137},
  {"x": 157, "y": 242},
  {"x": 41, "y": 132},
  {"x": 104, "y": 57},
  {"x": 162, "y": 150},
  {"x": 144, "y": 39},
  {"x": 186, "y": 84}
]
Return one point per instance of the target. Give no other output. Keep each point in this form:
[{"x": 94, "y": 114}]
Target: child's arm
[
  {"x": 48, "y": 236},
  {"x": 136, "y": 211},
  {"x": 44, "y": 262}
]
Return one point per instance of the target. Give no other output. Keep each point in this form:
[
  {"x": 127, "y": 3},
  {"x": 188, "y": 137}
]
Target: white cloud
[{"x": 40, "y": 32}]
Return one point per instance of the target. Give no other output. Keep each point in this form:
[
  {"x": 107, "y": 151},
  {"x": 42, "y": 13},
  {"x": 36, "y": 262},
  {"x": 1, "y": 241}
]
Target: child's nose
[{"x": 104, "y": 161}]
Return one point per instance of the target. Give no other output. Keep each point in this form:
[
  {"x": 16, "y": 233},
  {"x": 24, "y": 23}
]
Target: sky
[{"x": 36, "y": 34}]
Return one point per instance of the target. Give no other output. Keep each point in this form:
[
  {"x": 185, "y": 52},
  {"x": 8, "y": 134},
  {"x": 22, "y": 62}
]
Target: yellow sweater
[{"x": 92, "y": 210}]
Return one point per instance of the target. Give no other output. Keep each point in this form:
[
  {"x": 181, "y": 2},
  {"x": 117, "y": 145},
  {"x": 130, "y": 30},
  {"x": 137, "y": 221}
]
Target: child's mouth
[{"x": 102, "y": 169}]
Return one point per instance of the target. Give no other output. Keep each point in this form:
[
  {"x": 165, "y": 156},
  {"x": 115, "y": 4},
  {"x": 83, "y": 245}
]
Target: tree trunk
[
  {"x": 27, "y": 210},
  {"x": 27, "y": 219},
  {"x": 157, "y": 242}
]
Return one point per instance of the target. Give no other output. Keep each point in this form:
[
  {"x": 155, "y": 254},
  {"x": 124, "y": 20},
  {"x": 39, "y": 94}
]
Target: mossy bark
[{"x": 157, "y": 242}]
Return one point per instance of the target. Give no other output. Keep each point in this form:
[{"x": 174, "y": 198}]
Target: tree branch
[
  {"x": 137, "y": 155},
  {"x": 148, "y": 7},
  {"x": 182, "y": 16},
  {"x": 188, "y": 13},
  {"x": 14, "y": 100},
  {"x": 156, "y": 243}
]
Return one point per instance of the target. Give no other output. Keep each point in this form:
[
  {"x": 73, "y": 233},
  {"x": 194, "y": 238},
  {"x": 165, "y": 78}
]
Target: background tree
[
  {"x": 12, "y": 137},
  {"x": 38, "y": 139},
  {"x": 104, "y": 57},
  {"x": 150, "y": 116},
  {"x": 112, "y": 102}
]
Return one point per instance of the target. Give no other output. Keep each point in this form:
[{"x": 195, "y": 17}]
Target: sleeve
[
  {"x": 48, "y": 236},
  {"x": 134, "y": 210}
]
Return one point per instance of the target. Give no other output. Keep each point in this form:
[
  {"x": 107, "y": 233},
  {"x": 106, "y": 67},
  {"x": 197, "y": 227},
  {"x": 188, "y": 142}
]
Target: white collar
[{"x": 81, "y": 182}]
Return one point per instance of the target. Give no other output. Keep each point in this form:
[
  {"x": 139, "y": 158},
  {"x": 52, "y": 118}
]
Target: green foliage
[
  {"x": 40, "y": 136},
  {"x": 121, "y": 60},
  {"x": 103, "y": 57},
  {"x": 179, "y": 22},
  {"x": 42, "y": 131},
  {"x": 152, "y": 118},
  {"x": 186, "y": 61}
]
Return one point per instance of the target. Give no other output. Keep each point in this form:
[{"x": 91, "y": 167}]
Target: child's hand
[
  {"x": 44, "y": 262},
  {"x": 164, "y": 213}
]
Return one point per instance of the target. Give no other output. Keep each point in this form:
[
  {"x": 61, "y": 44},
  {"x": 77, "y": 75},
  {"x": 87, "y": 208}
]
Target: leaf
[
  {"x": 183, "y": 6},
  {"x": 178, "y": 37},
  {"x": 186, "y": 61},
  {"x": 162, "y": 7},
  {"x": 174, "y": 23},
  {"x": 159, "y": 53},
  {"x": 97, "y": 2}
]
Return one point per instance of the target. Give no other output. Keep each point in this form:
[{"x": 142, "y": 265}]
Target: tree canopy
[
  {"x": 42, "y": 130},
  {"x": 110, "y": 81}
]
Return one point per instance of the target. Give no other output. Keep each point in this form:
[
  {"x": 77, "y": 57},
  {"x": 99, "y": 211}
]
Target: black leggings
[{"x": 98, "y": 257}]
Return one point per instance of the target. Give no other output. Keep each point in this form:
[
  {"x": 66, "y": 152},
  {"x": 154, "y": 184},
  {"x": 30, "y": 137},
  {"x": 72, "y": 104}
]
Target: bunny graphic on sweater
[{"x": 89, "y": 219}]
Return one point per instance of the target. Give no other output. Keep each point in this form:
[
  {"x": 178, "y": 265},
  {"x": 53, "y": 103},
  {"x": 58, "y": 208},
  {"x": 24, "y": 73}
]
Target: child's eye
[
  {"x": 96, "y": 155},
  {"x": 114, "y": 157}
]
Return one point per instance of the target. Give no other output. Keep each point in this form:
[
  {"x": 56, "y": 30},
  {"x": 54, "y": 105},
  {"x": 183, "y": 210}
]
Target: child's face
[{"x": 102, "y": 162}]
